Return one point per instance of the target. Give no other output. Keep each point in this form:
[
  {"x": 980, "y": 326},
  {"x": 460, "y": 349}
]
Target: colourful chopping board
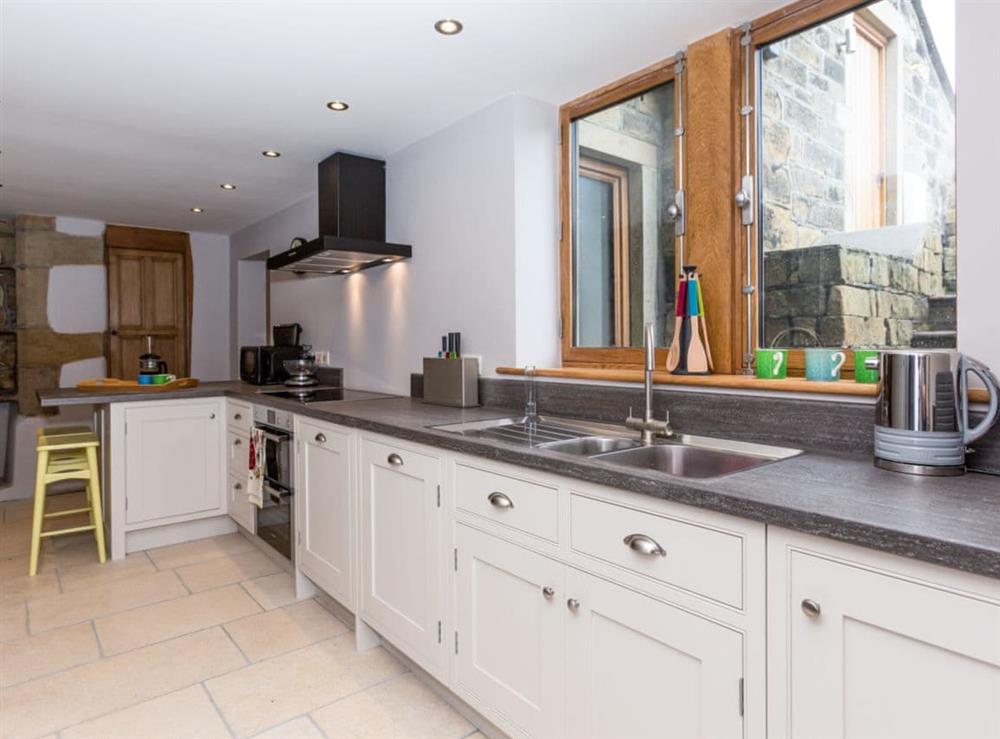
[{"x": 112, "y": 383}]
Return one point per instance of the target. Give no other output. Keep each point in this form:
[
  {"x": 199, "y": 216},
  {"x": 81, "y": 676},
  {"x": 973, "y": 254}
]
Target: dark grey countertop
[{"x": 948, "y": 521}]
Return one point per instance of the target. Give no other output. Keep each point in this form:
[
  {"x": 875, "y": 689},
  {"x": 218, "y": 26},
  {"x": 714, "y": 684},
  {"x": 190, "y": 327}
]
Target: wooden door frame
[{"x": 153, "y": 239}]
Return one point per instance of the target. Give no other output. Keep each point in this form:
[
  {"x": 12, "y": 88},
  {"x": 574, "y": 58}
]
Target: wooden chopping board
[{"x": 112, "y": 383}]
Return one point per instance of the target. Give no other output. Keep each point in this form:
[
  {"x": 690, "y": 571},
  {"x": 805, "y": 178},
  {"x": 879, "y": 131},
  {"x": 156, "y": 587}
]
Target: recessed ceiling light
[
  {"x": 448, "y": 27},
  {"x": 227, "y": 186},
  {"x": 271, "y": 154},
  {"x": 337, "y": 105},
  {"x": 197, "y": 210}
]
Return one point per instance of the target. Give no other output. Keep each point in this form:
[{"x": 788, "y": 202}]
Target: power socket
[{"x": 322, "y": 358}]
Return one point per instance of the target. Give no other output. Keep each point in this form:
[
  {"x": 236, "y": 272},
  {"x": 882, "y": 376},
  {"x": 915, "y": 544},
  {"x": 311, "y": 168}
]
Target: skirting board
[{"x": 175, "y": 533}]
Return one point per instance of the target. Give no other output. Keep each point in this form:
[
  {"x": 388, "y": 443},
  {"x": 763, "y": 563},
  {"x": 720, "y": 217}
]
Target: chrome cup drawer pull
[
  {"x": 395, "y": 460},
  {"x": 643, "y": 545},
  {"x": 320, "y": 438},
  {"x": 499, "y": 500},
  {"x": 811, "y": 608}
]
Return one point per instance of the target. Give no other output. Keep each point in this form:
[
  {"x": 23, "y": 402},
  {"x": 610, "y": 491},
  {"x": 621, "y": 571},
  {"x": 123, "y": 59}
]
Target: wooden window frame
[
  {"x": 617, "y": 177},
  {"x": 774, "y": 26},
  {"x": 604, "y": 97}
]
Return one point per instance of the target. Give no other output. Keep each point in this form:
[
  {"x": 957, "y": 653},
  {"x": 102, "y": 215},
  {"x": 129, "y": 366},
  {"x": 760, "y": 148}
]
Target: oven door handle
[
  {"x": 271, "y": 436},
  {"x": 276, "y": 495}
]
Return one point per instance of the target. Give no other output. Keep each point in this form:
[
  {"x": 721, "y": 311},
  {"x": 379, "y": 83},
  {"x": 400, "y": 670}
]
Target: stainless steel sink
[
  {"x": 589, "y": 446},
  {"x": 685, "y": 461},
  {"x": 682, "y": 455}
]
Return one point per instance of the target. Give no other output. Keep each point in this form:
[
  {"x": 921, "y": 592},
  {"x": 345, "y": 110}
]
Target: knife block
[{"x": 453, "y": 382}]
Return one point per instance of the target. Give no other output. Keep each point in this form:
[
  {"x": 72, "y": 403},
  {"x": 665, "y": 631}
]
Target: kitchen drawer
[
  {"x": 533, "y": 509},
  {"x": 702, "y": 560},
  {"x": 237, "y": 454},
  {"x": 239, "y": 507},
  {"x": 239, "y": 416}
]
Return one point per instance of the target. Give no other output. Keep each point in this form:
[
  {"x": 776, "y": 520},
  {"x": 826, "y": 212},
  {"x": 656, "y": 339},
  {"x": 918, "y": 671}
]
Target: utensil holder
[{"x": 453, "y": 382}]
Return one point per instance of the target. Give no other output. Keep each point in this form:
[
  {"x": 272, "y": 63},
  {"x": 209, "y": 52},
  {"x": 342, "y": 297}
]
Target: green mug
[
  {"x": 866, "y": 363},
  {"x": 772, "y": 364}
]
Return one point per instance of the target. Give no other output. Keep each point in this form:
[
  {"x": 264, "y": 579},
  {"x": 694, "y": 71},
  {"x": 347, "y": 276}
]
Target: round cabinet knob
[
  {"x": 238, "y": 416},
  {"x": 548, "y": 591},
  {"x": 211, "y": 416},
  {"x": 237, "y": 442},
  {"x": 320, "y": 439},
  {"x": 573, "y": 604},
  {"x": 811, "y": 608},
  {"x": 237, "y": 486}
]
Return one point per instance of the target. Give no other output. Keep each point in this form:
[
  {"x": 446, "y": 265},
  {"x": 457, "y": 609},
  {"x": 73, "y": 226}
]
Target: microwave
[{"x": 264, "y": 365}]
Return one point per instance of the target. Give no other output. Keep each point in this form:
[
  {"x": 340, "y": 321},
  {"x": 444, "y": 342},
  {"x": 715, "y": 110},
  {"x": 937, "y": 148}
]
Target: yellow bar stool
[{"x": 67, "y": 453}]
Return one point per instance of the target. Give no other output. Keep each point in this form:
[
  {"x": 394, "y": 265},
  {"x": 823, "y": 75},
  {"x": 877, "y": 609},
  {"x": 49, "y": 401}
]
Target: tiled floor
[{"x": 201, "y": 639}]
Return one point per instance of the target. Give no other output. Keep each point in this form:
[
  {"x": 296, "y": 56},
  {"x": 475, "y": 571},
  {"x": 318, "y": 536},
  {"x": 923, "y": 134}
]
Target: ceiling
[{"x": 136, "y": 112}]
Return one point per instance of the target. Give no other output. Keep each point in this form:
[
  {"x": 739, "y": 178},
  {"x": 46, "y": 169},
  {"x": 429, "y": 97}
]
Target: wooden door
[
  {"x": 174, "y": 462},
  {"x": 510, "y": 631},
  {"x": 402, "y": 595},
  {"x": 637, "y": 667},
  {"x": 149, "y": 294},
  {"x": 872, "y": 655},
  {"x": 324, "y": 508}
]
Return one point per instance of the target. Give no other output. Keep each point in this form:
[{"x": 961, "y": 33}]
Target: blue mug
[{"x": 823, "y": 365}]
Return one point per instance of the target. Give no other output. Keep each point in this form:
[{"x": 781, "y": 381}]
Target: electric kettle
[{"x": 922, "y": 411}]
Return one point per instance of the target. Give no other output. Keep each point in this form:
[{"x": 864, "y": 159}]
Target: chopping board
[{"x": 112, "y": 383}]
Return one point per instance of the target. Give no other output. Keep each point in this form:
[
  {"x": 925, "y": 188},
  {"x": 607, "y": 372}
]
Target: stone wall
[
  {"x": 848, "y": 296},
  {"x": 805, "y": 148},
  {"x": 41, "y": 352}
]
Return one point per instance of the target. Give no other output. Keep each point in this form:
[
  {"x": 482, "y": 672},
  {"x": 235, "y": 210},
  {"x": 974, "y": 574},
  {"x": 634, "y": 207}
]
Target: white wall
[
  {"x": 978, "y": 162},
  {"x": 477, "y": 203},
  {"x": 210, "y": 324},
  {"x": 248, "y": 299}
]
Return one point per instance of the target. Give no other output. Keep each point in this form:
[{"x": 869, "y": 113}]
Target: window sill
[{"x": 733, "y": 382}]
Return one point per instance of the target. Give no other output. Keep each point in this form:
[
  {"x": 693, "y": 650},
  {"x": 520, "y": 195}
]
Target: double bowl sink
[{"x": 680, "y": 455}]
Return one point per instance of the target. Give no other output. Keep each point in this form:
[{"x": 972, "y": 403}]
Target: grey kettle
[{"x": 922, "y": 411}]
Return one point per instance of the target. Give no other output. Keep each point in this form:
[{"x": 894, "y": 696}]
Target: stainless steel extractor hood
[{"x": 351, "y": 221}]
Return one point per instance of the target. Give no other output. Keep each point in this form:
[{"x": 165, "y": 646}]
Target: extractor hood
[{"x": 351, "y": 222}]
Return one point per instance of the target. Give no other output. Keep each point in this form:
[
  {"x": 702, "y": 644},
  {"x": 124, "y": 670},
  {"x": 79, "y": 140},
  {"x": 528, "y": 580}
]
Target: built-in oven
[{"x": 275, "y": 520}]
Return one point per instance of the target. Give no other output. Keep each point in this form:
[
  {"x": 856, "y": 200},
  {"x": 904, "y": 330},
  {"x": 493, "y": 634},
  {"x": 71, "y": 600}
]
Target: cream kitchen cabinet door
[
  {"x": 510, "y": 632},
  {"x": 858, "y": 652},
  {"x": 637, "y": 667},
  {"x": 174, "y": 466},
  {"x": 402, "y": 594},
  {"x": 324, "y": 507}
]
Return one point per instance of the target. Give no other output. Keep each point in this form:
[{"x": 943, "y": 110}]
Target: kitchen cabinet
[
  {"x": 240, "y": 509},
  {"x": 510, "y": 622},
  {"x": 239, "y": 418},
  {"x": 639, "y": 667},
  {"x": 324, "y": 507},
  {"x": 173, "y": 462},
  {"x": 862, "y": 650},
  {"x": 404, "y": 567}
]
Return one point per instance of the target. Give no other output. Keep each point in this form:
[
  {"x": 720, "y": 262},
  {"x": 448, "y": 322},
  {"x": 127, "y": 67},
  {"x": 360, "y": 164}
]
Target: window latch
[
  {"x": 744, "y": 199},
  {"x": 675, "y": 213}
]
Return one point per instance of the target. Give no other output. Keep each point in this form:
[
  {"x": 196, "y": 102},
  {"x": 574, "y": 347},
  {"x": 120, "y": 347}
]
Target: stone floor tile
[
  {"x": 298, "y": 682},
  {"x": 187, "y": 713},
  {"x": 284, "y": 629},
  {"x": 89, "y": 603},
  {"x": 226, "y": 570},
  {"x": 157, "y": 622},
  {"x": 92, "y": 690},
  {"x": 403, "y": 708}
]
